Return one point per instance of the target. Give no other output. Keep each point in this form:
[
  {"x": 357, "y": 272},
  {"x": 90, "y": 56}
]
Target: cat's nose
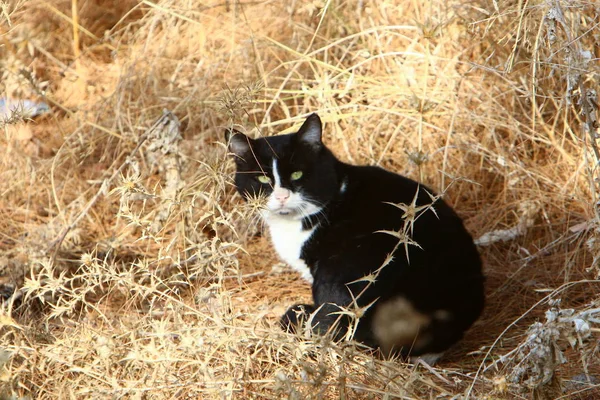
[{"x": 281, "y": 195}]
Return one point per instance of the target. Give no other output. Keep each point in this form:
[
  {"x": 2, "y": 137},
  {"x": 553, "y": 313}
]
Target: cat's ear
[
  {"x": 237, "y": 142},
  {"x": 311, "y": 130}
]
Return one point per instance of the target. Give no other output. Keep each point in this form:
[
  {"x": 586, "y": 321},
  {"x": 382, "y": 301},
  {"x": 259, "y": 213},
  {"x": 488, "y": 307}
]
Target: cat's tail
[{"x": 399, "y": 327}]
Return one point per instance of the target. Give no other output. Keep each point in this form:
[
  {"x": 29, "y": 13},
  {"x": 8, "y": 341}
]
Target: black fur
[{"x": 442, "y": 276}]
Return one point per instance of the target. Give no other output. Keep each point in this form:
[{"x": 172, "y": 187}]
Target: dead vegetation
[{"x": 130, "y": 269}]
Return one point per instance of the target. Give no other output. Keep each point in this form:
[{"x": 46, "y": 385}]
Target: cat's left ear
[
  {"x": 238, "y": 143},
  {"x": 311, "y": 131}
]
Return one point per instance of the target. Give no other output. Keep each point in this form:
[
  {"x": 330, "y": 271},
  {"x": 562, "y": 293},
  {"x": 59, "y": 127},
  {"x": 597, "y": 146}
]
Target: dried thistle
[{"x": 535, "y": 361}]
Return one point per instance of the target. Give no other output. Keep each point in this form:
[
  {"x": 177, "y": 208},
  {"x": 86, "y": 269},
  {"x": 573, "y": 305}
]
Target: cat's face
[{"x": 295, "y": 172}]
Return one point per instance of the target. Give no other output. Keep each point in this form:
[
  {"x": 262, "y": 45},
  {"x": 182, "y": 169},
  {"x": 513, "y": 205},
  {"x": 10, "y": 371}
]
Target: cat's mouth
[{"x": 285, "y": 212}]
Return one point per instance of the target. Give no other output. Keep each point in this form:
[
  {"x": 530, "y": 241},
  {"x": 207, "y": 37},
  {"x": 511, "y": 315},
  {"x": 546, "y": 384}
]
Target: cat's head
[{"x": 296, "y": 172}]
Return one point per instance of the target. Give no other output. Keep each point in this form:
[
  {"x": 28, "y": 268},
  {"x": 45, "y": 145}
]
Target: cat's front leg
[
  {"x": 326, "y": 319},
  {"x": 295, "y": 317}
]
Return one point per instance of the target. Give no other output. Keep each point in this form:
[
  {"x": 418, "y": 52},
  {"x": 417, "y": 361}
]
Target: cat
[{"x": 366, "y": 239}]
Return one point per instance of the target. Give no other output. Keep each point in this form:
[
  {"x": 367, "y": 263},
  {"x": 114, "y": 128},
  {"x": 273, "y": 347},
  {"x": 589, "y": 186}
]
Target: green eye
[
  {"x": 263, "y": 179},
  {"x": 296, "y": 175}
]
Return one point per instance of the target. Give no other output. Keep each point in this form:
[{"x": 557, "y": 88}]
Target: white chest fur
[{"x": 288, "y": 238}]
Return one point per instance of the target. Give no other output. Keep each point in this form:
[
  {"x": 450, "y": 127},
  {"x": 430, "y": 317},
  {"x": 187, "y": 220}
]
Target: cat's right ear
[
  {"x": 237, "y": 143},
  {"x": 311, "y": 130}
]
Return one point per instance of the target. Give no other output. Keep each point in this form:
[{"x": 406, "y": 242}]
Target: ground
[{"x": 130, "y": 268}]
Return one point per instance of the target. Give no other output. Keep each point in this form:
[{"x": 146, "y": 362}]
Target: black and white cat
[{"x": 326, "y": 220}]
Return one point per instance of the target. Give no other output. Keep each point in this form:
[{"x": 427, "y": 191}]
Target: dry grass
[{"x": 130, "y": 269}]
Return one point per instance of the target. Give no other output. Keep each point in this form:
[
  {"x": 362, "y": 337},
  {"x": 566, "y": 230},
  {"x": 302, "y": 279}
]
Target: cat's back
[
  {"x": 373, "y": 190},
  {"x": 377, "y": 204}
]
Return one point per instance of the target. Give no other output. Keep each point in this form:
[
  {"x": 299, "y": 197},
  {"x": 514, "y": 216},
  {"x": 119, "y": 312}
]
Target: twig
[
  {"x": 432, "y": 370},
  {"x": 589, "y": 105},
  {"x": 75, "y": 22},
  {"x": 213, "y": 278},
  {"x": 164, "y": 120}
]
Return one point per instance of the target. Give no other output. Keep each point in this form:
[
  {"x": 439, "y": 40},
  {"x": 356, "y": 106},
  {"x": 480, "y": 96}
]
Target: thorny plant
[
  {"x": 14, "y": 116},
  {"x": 410, "y": 214},
  {"x": 99, "y": 277},
  {"x": 235, "y": 102},
  {"x": 534, "y": 362}
]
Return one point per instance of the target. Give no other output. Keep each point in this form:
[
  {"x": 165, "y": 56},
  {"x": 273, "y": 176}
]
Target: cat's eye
[
  {"x": 263, "y": 179},
  {"x": 296, "y": 175}
]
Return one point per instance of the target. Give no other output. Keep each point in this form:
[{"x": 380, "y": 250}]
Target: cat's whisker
[
  {"x": 320, "y": 213},
  {"x": 303, "y": 209}
]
